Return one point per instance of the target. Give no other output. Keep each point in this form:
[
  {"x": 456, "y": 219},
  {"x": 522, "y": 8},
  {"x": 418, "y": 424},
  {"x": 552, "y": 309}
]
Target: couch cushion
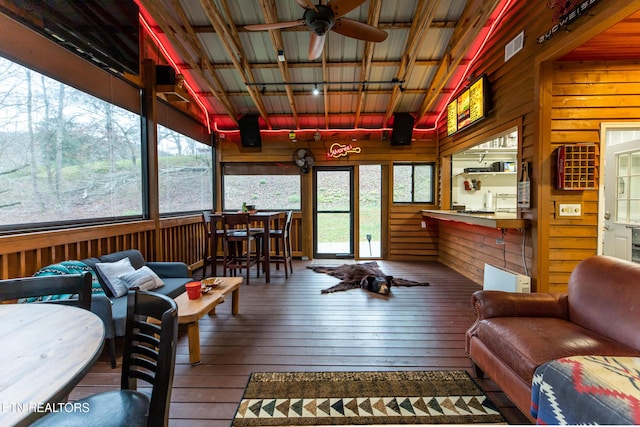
[
  {"x": 134, "y": 255},
  {"x": 524, "y": 343},
  {"x": 172, "y": 288},
  {"x": 111, "y": 272},
  {"x": 143, "y": 278}
]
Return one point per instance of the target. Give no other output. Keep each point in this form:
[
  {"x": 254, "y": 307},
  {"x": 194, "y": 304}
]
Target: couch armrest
[
  {"x": 101, "y": 306},
  {"x": 487, "y": 304},
  {"x": 170, "y": 268}
]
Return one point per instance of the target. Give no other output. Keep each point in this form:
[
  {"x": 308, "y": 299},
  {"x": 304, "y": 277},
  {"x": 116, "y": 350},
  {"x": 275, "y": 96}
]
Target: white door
[{"x": 621, "y": 207}]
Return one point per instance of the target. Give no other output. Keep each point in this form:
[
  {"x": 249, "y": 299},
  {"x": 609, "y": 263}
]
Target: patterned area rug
[{"x": 359, "y": 398}]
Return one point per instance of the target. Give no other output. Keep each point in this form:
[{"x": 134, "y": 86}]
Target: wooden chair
[
  {"x": 237, "y": 240},
  {"x": 282, "y": 237},
  {"x": 212, "y": 234},
  {"x": 78, "y": 285},
  {"x": 149, "y": 355}
]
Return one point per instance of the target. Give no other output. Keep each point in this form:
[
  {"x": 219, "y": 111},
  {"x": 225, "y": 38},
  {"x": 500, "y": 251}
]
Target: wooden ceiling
[
  {"x": 620, "y": 42},
  {"x": 236, "y": 72}
]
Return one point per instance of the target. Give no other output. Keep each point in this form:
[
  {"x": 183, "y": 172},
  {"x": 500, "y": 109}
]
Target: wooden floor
[{"x": 288, "y": 325}]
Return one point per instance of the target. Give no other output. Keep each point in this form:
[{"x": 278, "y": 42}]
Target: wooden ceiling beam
[
  {"x": 271, "y": 15},
  {"x": 231, "y": 42},
  {"x": 471, "y": 23},
  {"x": 171, "y": 28},
  {"x": 375, "y": 6},
  {"x": 424, "y": 16}
]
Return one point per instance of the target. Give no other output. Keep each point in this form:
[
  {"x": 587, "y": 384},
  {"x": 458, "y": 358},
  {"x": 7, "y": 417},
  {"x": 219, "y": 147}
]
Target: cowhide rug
[{"x": 365, "y": 275}]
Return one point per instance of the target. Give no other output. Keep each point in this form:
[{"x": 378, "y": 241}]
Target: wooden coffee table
[{"x": 190, "y": 311}]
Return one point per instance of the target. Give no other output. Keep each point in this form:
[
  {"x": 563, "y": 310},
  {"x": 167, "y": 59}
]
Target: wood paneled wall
[
  {"x": 466, "y": 248},
  {"x": 584, "y": 95},
  {"x": 555, "y": 103}
]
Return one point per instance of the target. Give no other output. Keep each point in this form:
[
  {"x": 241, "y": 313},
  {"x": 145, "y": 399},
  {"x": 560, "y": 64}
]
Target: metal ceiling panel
[{"x": 224, "y": 56}]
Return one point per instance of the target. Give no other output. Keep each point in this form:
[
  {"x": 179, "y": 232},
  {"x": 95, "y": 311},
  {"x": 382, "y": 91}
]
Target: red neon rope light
[
  {"x": 488, "y": 35},
  {"x": 474, "y": 58},
  {"x": 173, "y": 63}
]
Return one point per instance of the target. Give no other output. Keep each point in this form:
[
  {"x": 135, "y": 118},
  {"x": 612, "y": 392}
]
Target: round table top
[{"x": 46, "y": 350}]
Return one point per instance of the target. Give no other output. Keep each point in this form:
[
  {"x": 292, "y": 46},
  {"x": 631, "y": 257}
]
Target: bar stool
[
  {"x": 283, "y": 235},
  {"x": 211, "y": 234},
  {"x": 237, "y": 238}
]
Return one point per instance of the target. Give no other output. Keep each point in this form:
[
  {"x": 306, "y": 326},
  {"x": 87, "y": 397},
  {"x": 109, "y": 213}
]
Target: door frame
[{"x": 351, "y": 170}]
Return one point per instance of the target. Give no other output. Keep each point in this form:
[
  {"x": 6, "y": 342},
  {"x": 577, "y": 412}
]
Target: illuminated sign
[
  {"x": 338, "y": 150},
  {"x": 468, "y": 107}
]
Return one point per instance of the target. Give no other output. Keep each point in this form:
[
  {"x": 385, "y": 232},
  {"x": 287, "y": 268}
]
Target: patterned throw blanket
[
  {"x": 366, "y": 275},
  {"x": 62, "y": 268}
]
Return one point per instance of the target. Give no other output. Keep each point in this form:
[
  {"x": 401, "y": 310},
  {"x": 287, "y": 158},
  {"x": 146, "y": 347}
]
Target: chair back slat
[{"x": 78, "y": 285}]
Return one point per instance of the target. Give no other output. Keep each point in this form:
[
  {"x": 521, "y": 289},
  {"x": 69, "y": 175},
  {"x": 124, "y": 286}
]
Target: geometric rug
[{"x": 359, "y": 398}]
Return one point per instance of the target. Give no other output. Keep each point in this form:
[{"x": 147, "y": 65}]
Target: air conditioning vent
[{"x": 514, "y": 46}]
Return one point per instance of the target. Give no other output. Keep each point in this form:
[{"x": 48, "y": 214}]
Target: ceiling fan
[
  {"x": 321, "y": 18},
  {"x": 304, "y": 159}
]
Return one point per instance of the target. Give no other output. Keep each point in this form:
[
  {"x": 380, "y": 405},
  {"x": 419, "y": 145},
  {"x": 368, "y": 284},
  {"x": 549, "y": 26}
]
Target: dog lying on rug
[{"x": 366, "y": 275}]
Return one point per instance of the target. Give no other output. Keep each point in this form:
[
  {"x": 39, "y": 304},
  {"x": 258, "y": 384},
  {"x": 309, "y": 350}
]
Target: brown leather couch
[{"x": 514, "y": 333}]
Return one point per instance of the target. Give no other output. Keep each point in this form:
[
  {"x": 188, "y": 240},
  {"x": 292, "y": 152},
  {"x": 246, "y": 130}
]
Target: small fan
[
  {"x": 303, "y": 158},
  {"x": 321, "y": 18}
]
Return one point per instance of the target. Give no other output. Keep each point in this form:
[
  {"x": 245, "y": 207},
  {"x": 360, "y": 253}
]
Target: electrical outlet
[
  {"x": 569, "y": 209},
  {"x": 423, "y": 224}
]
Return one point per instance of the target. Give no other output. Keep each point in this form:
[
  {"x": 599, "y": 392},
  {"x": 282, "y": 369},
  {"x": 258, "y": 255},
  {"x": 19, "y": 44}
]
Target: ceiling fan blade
[
  {"x": 316, "y": 45},
  {"x": 274, "y": 25},
  {"x": 342, "y": 7},
  {"x": 359, "y": 30},
  {"x": 307, "y": 4}
]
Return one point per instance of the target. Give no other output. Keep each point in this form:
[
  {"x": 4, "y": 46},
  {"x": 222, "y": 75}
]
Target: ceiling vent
[{"x": 514, "y": 46}]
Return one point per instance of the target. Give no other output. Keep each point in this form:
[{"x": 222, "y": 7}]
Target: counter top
[{"x": 492, "y": 220}]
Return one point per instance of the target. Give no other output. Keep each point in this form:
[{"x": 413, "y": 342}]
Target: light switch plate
[{"x": 570, "y": 209}]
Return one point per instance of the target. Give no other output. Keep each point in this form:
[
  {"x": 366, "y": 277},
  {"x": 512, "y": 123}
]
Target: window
[
  {"x": 268, "y": 186},
  {"x": 66, "y": 156},
  {"x": 185, "y": 173},
  {"x": 413, "y": 183},
  {"x": 628, "y": 187}
]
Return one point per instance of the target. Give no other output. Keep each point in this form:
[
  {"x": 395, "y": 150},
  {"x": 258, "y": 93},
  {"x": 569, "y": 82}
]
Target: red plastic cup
[{"x": 193, "y": 290}]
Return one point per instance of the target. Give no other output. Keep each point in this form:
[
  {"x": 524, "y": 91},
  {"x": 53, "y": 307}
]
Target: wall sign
[
  {"x": 338, "y": 150},
  {"x": 468, "y": 107},
  {"x": 565, "y": 13}
]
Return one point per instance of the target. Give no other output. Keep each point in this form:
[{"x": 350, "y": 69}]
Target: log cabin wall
[{"x": 405, "y": 237}]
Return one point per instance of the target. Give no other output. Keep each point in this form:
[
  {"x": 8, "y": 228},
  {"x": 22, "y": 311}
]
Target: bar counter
[{"x": 499, "y": 220}]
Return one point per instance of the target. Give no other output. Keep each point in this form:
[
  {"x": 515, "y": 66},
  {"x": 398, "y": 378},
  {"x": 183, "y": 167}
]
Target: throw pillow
[
  {"x": 109, "y": 271},
  {"x": 143, "y": 278}
]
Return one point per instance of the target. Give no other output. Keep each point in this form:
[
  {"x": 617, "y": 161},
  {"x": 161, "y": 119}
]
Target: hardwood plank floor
[{"x": 288, "y": 325}]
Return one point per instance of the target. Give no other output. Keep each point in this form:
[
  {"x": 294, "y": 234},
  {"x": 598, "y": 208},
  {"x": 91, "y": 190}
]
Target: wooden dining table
[
  {"x": 46, "y": 349},
  {"x": 265, "y": 219}
]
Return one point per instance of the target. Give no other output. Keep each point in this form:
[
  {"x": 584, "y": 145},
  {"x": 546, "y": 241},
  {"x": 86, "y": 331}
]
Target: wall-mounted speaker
[
  {"x": 402, "y": 129},
  {"x": 165, "y": 75},
  {"x": 250, "y": 130}
]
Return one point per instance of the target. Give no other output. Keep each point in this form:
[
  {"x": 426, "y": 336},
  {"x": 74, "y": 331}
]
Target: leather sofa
[{"x": 514, "y": 333}]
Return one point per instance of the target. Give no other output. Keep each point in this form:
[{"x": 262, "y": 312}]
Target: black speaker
[
  {"x": 402, "y": 129},
  {"x": 250, "y": 130},
  {"x": 165, "y": 75}
]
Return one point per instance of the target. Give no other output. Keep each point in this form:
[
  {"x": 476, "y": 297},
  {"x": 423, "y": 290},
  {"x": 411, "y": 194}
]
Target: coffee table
[{"x": 190, "y": 310}]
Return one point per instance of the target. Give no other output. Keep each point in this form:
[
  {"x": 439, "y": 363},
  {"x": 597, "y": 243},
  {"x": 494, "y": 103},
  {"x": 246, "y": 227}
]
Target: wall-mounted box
[{"x": 577, "y": 167}]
